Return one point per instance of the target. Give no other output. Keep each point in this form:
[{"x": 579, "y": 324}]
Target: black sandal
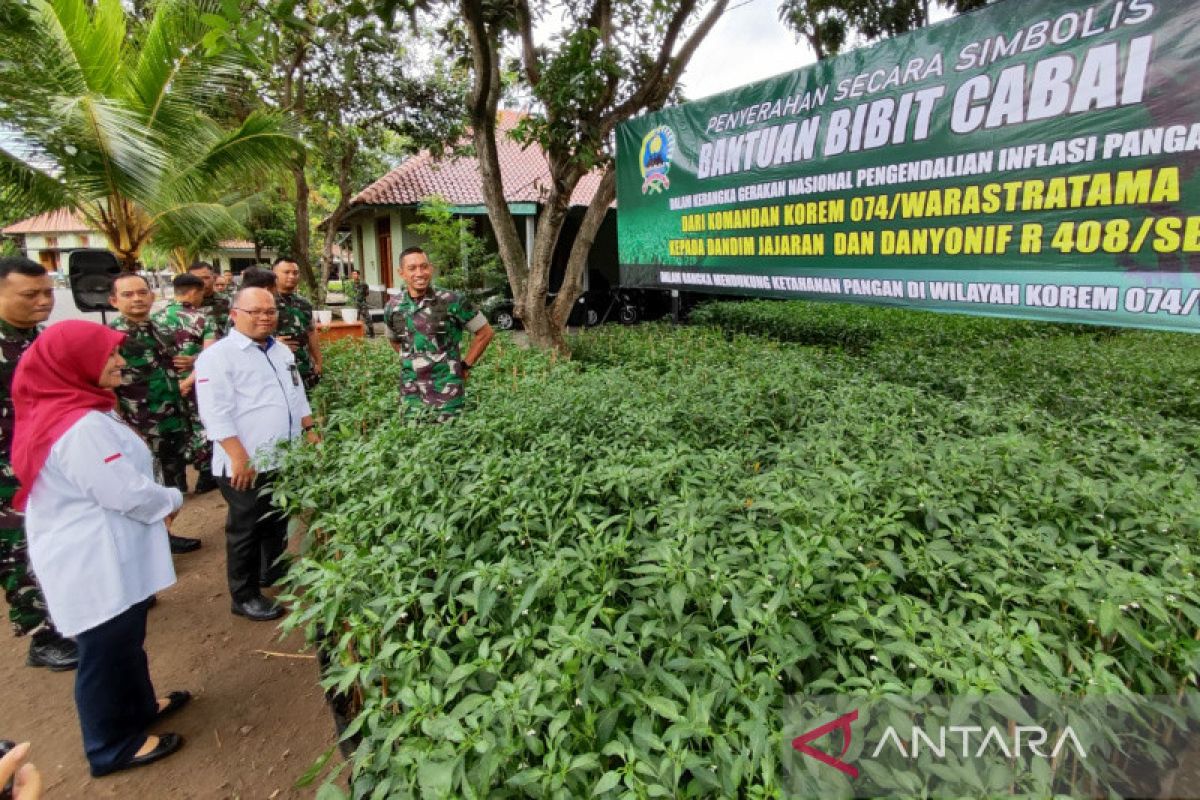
[
  {"x": 175, "y": 701},
  {"x": 168, "y": 743}
]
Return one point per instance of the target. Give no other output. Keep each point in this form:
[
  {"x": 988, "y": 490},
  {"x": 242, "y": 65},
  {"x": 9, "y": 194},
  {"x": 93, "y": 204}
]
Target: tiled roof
[
  {"x": 523, "y": 169},
  {"x": 62, "y": 220}
]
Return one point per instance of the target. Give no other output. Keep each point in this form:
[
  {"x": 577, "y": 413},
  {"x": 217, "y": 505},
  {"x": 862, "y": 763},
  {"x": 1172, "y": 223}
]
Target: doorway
[{"x": 383, "y": 242}]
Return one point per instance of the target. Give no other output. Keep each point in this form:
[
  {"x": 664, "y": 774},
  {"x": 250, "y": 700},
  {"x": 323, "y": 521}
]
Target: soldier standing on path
[
  {"x": 427, "y": 326},
  {"x": 187, "y": 328},
  {"x": 149, "y": 398},
  {"x": 215, "y": 305},
  {"x": 358, "y": 292},
  {"x": 26, "y": 299},
  {"x": 296, "y": 328}
]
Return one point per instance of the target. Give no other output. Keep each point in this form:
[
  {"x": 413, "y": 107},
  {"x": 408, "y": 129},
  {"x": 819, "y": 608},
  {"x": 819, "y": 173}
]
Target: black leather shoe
[
  {"x": 259, "y": 609},
  {"x": 182, "y": 544},
  {"x": 175, "y": 701},
  {"x": 54, "y": 652},
  {"x": 168, "y": 743},
  {"x": 205, "y": 483}
]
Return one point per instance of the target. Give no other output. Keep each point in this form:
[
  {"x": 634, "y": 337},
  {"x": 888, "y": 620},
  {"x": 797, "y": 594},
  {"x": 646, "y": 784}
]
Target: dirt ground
[{"x": 257, "y": 722}]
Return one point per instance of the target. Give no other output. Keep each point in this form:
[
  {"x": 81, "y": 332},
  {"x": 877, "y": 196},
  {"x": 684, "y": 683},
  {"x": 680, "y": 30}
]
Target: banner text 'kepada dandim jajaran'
[{"x": 1035, "y": 158}]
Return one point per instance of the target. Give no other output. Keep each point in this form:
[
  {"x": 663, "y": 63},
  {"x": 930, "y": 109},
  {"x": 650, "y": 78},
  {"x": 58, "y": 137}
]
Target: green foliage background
[
  {"x": 606, "y": 577},
  {"x": 463, "y": 260}
]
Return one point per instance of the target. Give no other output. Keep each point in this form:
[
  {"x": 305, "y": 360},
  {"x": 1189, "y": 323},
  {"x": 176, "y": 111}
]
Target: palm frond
[
  {"x": 93, "y": 37},
  {"x": 172, "y": 79},
  {"x": 26, "y": 190},
  {"x": 260, "y": 147},
  {"x": 113, "y": 152},
  {"x": 37, "y": 61},
  {"x": 197, "y": 227}
]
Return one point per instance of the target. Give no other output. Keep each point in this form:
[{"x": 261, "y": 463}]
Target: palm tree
[{"x": 124, "y": 119}]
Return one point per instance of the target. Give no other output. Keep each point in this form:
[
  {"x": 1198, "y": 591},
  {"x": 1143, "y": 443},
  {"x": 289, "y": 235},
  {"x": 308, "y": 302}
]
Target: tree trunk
[
  {"x": 543, "y": 331},
  {"x": 334, "y": 221},
  {"x": 484, "y": 99},
  {"x": 180, "y": 260},
  {"x": 300, "y": 247},
  {"x": 295, "y": 97},
  {"x": 530, "y": 280},
  {"x": 126, "y": 228},
  {"x": 593, "y": 218},
  {"x": 543, "y": 328}
]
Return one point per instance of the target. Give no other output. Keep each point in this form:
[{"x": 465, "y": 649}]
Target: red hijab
[{"x": 57, "y": 383}]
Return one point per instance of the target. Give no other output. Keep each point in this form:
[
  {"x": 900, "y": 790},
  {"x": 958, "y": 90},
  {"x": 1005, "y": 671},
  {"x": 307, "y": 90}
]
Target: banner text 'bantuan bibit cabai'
[{"x": 1036, "y": 158}]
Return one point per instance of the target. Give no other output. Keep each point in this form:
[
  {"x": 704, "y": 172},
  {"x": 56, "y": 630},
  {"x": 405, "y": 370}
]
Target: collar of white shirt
[{"x": 245, "y": 342}]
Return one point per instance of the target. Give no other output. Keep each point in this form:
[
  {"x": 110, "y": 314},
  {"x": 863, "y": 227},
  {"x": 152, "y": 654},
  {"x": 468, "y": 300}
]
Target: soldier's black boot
[
  {"x": 56, "y": 653},
  {"x": 182, "y": 544}
]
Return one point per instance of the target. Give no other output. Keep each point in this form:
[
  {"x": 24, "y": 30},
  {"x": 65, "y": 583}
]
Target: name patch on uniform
[{"x": 112, "y": 458}]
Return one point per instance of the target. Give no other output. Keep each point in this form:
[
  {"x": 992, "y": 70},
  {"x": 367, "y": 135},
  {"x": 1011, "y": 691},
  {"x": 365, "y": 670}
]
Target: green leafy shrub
[
  {"x": 463, "y": 259},
  {"x": 605, "y": 578}
]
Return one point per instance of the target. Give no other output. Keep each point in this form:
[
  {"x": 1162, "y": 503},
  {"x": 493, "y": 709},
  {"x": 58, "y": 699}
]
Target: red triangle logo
[{"x": 842, "y": 723}]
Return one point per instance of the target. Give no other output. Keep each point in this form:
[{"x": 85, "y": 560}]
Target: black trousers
[
  {"x": 170, "y": 450},
  {"x": 113, "y": 693},
  {"x": 255, "y": 537}
]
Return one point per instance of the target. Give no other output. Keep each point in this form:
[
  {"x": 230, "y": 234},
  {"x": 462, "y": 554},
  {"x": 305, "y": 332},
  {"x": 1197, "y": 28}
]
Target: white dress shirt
[
  {"x": 97, "y": 541},
  {"x": 251, "y": 393}
]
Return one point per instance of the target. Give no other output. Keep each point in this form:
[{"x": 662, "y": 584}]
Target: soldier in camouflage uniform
[
  {"x": 358, "y": 293},
  {"x": 427, "y": 327},
  {"x": 26, "y": 299},
  {"x": 215, "y": 305},
  {"x": 188, "y": 328},
  {"x": 149, "y": 399},
  {"x": 296, "y": 328}
]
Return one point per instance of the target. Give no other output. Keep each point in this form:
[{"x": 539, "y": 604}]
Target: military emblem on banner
[{"x": 657, "y": 148}]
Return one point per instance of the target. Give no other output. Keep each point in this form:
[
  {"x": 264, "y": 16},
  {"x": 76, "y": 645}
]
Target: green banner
[{"x": 1035, "y": 158}]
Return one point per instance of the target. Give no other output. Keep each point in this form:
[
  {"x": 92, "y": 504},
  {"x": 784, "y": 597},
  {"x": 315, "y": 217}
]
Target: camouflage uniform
[
  {"x": 149, "y": 396},
  {"x": 26, "y": 605},
  {"x": 430, "y": 331},
  {"x": 187, "y": 327},
  {"x": 295, "y": 321},
  {"x": 359, "y": 291},
  {"x": 216, "y": 307}
]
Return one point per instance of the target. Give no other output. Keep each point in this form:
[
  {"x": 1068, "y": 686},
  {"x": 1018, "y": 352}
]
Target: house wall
[
  {"x": 49, "y": 250},
  {"x": 35, "y": 242},
  {"x": 366, "y": 258},
  {"x": 401, "y": 221},
  {"x": 236, "y": 261}
]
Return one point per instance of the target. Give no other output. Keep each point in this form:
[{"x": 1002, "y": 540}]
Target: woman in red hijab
[{"x": 97, "y": 535}]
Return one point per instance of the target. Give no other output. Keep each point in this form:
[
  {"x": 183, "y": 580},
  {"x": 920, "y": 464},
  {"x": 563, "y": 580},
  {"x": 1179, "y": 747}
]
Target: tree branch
[
  {"x": 602, "y": 14},
  {"x": 533, "y": 72},
  {"x": 667, "y": 69},
  {"x": 485, "y": 98}
]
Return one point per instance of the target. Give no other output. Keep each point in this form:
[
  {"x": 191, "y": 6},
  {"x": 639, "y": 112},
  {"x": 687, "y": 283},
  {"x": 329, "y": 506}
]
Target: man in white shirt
[{"x": 251, "y": 400}]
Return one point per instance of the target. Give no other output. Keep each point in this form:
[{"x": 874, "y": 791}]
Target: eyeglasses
[{"x": 266, "y": 312}]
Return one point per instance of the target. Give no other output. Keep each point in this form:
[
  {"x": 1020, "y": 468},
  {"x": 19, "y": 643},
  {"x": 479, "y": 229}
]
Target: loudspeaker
[{"x": 91, "y": 273}]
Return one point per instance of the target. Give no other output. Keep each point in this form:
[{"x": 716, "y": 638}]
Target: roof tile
[
  {"x": 523, "y": 169},
  {"x": 61, "y": 220}
]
